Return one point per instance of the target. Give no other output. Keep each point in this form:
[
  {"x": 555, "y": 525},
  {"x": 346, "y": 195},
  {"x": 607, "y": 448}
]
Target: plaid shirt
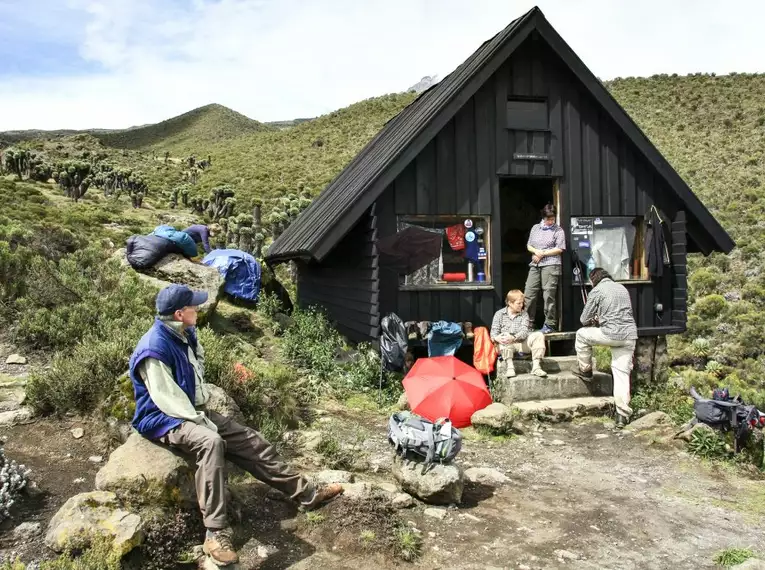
[
  {"x": 515, "y": 325},
  {"x": 610, "y": 303},
  {"x": 550, "y": 238}
]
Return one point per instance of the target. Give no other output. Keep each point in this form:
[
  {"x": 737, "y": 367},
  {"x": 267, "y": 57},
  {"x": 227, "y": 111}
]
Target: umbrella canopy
[
  {"x": 410, "y": 249},
  {"x": 446, "y": 387}
]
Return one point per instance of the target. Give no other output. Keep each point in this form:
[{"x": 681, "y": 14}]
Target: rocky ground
[{"x": 578, "y": 495}]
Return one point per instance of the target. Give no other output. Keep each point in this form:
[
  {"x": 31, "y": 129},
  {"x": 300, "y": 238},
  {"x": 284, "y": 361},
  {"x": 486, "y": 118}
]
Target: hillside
[{"x": 187, "y": 133}]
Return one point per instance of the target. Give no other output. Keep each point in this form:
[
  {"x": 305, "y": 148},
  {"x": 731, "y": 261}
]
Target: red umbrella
[{"x": 446, "y": 387}]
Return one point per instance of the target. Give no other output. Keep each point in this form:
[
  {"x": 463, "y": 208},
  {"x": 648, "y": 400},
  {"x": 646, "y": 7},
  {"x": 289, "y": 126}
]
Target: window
[
  {"x": 527, "y": 114},
  {"x": 447, "y": 251},
  {"x": 614, "y": 243}
]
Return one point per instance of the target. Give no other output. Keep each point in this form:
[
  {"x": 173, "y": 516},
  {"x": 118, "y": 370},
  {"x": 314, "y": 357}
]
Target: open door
[{"x": 520, "y": 201}]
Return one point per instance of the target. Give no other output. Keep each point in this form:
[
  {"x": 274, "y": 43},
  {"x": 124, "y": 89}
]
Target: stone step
[
  {"x": 550, "y": 364},
  {"x": 564, "y": 409},
  {"x": 528, "y": 387}
]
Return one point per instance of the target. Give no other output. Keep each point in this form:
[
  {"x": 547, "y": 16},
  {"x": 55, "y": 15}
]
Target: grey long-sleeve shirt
[{"x": 610, "y": 303}]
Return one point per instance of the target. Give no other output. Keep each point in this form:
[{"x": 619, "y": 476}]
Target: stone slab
[{"x": 528, "y": 387}]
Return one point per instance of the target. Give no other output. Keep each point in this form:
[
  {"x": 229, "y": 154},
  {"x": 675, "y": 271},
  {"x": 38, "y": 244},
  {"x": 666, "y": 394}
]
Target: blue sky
[{"x": 118, "y": 63}]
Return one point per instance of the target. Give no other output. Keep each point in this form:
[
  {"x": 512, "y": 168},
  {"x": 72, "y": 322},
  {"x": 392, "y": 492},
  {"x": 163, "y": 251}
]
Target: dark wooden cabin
[{"x": 520, "y": 123}]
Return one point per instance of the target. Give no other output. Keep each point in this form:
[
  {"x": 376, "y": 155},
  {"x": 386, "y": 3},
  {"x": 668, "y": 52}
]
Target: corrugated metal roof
[
  {"x": 303, "y": 236},
  {"x": 308, "y": 237}
]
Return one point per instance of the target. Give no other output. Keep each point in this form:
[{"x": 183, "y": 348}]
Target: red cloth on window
[
  {"x": 454, "y": 277},
  {"x": 455, "y": 235}
]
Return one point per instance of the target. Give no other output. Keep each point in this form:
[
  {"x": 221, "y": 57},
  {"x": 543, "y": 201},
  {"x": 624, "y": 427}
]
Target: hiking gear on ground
[
  {"x": 183, "y": 240},
  {"x": 484, "y": 351},
  {"x": 536, "y": 369},
  {"x": 433, "y": 442},
  {"x": 409, "y": 250},
  {"x": 445, "y": 387},
  {"x": 583, "y": 375},
  {"x": 726, "y": 414},
  {"x": 144, "y": 251},
  {"x": 240, "y": 270},
  {"x": 546, "y": 329},
  {"x": 393, "y": 342},
  {"x": 323, "y": 496},
  {"x": 445, "y": 338},
  {"x": 175, "y": 297},
  {"x": 218, "y": 546}
]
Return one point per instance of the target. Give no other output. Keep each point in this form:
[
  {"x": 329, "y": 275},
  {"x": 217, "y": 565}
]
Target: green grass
[
  {"x": 313, "y": 518},
  {"x": 408, "y": 544},
  {"x": 733, "y": 556}
]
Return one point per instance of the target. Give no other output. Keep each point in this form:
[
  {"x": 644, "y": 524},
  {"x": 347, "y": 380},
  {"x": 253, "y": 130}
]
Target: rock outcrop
[
  {"x": 496, "y": 417},
  {"x": 145, "y": 472},
  {"x": 438, "y": 485},
  {"x": 87, "y": 515}
]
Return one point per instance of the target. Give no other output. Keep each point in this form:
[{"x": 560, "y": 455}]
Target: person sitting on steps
[
  {"x": 511, "y": 332},
  {"x": 167, "y": 371},
  {"x": 608, "y": 321}
]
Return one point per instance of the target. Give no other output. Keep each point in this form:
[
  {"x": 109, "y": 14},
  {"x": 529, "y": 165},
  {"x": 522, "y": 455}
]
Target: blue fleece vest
[{"x": 163, "y": 344}]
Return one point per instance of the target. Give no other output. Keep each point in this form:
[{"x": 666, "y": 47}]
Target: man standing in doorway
[
  {"x": 547, "y": 241},
  {"x": 608, "y": 321}
]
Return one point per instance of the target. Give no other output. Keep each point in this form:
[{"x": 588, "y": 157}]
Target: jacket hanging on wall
[{"x": 657, "y": 252}]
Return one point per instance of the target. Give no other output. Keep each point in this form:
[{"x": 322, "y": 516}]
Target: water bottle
[{"x": 590, "y": 266}]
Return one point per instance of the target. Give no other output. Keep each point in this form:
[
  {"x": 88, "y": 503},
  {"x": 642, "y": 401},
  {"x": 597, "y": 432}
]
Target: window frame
[
  {"x": 639, "y": 243},
  {"x": 450, "y": 286},
  {"x": 529, "y": 119}
]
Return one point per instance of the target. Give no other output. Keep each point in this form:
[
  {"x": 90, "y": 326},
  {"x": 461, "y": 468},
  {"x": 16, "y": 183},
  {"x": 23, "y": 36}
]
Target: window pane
[
  {"x": 461, "y": 256},
  {"x": 613, "y": 243},
  {"x": 524, "y": 114}
]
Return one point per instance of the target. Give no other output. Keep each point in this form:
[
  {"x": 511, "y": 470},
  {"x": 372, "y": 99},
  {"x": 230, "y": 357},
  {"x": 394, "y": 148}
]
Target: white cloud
[{"x": 279, "y": 59}]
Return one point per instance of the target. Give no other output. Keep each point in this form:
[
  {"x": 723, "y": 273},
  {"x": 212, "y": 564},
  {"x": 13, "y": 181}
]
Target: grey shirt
[
  {"x": 610, "y": 303},
  {"x": 505, "y": 323}
]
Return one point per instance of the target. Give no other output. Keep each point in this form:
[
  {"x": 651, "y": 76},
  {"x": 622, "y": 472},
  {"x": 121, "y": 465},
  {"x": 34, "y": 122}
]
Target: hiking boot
[
  {"x": 547, "y": 329},
  {"x": 218, "y": 547},
  {"x": 583, "y": 375},
  {"x": 621, "y": 421},
  {"x": 467, "y": 328},
  {"x": 324, "y": 495},
  {"x": 510, "y": 369},
  {"x": 536, "y": 370}
]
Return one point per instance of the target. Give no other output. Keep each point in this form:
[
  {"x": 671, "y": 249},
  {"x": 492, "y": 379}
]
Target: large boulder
[
  {"x": 439, "y": 485},
  {"x": 174, "y": 268},
  {"x": 145, "y": 472},
  {"x": 495, "y": 417},
  {"x": 85, "y": 516},
  {"x": 223, "y": 404},
  {"x": 652, "y": 421}
]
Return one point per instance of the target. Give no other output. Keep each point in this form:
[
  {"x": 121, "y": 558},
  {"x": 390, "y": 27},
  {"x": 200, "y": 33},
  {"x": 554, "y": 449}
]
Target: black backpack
[
  {"x": 727, "y": 414},
  {"x": 393, "y": 342}
]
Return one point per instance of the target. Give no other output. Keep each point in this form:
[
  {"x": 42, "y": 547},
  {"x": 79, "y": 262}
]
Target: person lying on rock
[
  {"x": 511, "y": 332},
  {"x": 167, "y": 370},
  {"x": 201, "y": 234},
  {"x": 608, "y": 321}
]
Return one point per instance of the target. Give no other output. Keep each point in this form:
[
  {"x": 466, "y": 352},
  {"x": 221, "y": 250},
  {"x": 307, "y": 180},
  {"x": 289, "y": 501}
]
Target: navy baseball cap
[{"x": 175, "y": 297}]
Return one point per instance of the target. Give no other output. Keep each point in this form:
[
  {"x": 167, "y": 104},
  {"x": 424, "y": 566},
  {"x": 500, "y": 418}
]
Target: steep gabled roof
[{"x": 337, "y": 209}]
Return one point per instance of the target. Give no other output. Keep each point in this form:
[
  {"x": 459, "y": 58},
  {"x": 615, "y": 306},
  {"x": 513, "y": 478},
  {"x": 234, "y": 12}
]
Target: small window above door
[{"x": 527, "y": 114}]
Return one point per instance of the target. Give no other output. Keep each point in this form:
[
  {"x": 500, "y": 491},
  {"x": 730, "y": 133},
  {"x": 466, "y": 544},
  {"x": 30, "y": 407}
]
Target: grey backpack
[{"x": 433, "y": 442}]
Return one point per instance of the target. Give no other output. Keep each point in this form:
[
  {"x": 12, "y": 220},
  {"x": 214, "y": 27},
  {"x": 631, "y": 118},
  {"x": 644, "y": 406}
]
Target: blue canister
[{"x": 481, "y": 276}]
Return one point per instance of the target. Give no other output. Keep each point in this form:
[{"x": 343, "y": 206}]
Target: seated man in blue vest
[{"x": 167, "y": 370}]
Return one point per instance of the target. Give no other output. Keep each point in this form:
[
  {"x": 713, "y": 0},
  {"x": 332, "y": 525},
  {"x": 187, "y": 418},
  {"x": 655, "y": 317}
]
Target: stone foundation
[{"x": 651, "y": 363}]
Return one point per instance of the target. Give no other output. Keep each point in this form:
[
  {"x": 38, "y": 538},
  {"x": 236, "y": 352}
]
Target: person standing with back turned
[
  {"x": 547, "y": 242},
  {"x": 608, "y": 321}
]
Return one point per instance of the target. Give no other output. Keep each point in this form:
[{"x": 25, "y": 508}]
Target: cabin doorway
[{"x": 521, "y": 201}]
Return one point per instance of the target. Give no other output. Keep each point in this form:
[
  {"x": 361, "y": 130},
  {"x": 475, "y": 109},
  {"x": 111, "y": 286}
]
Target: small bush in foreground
[
  {"x": 707, "y": 445},
  {"x": 408, "y": 544},
  {"x": 13, "y": 478},
  {"x": 733, "y": 556}
]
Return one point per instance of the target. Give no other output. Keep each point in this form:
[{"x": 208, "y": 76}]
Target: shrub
[
  {"x": 100, "y": 556},
  {"x": 707, "y": 445},
  {"x": 312, "y": 343},
  {"x": 83, "y": 378},
  {"x": 13, "y": 478},
  {"x": 269, "y": 304},
  {"x": 733, "y": 556},
  {"x": 169, "y": 537},
  {"x": 710, "y": 306}
]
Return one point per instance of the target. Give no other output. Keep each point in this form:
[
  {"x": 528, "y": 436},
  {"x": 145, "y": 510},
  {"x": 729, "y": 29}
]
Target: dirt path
[
  {"x": 581, "y": 496},
  {"x": 578, "y": 501}
]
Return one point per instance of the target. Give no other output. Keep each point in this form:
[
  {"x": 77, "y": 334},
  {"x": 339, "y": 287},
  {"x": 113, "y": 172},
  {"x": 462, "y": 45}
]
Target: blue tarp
[
  {"x": 445, "y": 338},
  {"x": 239, "y": 269},
  {"x": 181, "y": 239}
]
